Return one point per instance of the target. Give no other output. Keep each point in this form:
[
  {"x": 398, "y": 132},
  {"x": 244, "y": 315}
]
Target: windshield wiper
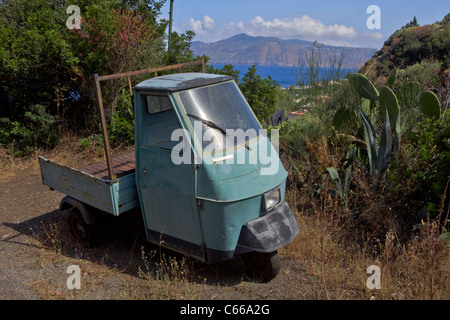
[{"x": 212, "y": 124}]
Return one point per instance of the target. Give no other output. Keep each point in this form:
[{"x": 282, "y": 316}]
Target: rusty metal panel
[{"x": 151, "y": 70}]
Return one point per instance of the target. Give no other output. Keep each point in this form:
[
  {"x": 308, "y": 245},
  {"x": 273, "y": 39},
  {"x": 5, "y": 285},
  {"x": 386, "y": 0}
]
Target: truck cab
[{"x": 209, "y": 180}]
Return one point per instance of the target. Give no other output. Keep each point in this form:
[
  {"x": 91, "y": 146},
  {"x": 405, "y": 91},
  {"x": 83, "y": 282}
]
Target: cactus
[
  {"x": 408, "y": 94},
  {"x": 379, "y": 156},
  {"x": 430, "y": 105},
  {"x": 363, "y": 86},
  {"x": 340, "y": 117},
  {"x": 389, "y": 104},
  {"x": 392, "y": 77},
  {"x": 431, "y": 108},
  {"x": 387, "y": 99}
]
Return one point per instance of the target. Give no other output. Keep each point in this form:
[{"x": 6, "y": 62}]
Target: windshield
[{"x": 223, "y": 114}]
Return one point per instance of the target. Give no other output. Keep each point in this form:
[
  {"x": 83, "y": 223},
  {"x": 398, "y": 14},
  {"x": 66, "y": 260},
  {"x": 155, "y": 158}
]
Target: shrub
[
  {"x": 260, "y": 94},
  {"x": 122, "y": 128},
  {"x": 37, "y": 129}
]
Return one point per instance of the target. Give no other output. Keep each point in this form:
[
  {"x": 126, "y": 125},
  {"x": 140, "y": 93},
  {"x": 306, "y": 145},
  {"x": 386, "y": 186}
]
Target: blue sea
[{"x": 284, "y": 76}]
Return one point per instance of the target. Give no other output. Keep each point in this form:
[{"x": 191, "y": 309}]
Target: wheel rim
[{"x": 79, "y": 230}]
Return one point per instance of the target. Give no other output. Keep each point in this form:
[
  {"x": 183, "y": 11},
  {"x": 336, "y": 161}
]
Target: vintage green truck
[{"x": 184, "y": 177}]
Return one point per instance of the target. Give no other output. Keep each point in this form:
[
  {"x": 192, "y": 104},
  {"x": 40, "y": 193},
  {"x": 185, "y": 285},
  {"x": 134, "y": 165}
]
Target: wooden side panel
[
  {"x": 110, "y": 196},
  {"x": 126, "y": 193}
]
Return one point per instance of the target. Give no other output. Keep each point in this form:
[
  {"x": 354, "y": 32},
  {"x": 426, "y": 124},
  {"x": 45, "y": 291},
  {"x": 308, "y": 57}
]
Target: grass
[{"x": 337, "y": 259}]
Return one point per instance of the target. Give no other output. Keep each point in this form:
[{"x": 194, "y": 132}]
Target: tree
[
  {"x": 260, "y": 94},
  {"x": 37, "y": 64},
  {"x": 43, "y": 62},
  {"x": 412, "y": 23},
  {"x": 180, "y": 48},
  {"x": 227, "y": 69},
  {"x": 118, "y": 41},
  {"x": 446, "y": 19}
]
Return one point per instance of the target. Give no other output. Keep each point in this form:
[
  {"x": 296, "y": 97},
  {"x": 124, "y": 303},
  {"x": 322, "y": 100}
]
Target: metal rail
[{"x": 98, "y": 93}]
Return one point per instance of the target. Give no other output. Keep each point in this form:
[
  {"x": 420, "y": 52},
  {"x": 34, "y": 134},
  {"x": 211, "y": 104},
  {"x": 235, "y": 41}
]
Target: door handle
[{"x": 143, "y": 178}]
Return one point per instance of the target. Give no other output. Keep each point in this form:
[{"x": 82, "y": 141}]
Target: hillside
[
  {"x": 243, "y": 49},
  {"x": 420, "y": 52}
]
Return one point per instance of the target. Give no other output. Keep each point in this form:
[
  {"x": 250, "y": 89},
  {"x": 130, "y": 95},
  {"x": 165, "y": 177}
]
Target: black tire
[
  {"x": 264, "y": 266},
  {"x": 84, "y": 233}
]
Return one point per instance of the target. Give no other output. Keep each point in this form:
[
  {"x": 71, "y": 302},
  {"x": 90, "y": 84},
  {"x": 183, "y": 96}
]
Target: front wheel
[{"x": 263, "y": 265}]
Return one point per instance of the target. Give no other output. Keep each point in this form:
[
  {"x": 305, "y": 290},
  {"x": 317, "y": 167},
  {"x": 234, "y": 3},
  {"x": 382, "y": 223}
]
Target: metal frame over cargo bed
[{"x": 110, "y": 185}]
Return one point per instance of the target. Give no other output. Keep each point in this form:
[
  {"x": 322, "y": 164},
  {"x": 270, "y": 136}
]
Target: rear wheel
[
  {"x": 84, "y": 233},
  {"x": 263, "y": 265}
]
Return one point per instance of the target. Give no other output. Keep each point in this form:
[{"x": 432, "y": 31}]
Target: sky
[{"x": 351, "y": 23}]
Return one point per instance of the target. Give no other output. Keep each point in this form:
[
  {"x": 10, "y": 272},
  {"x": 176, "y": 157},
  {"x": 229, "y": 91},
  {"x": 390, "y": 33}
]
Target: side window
[
  {"x": 157, "y": 104},
  {"x": 159, "y": 122}
]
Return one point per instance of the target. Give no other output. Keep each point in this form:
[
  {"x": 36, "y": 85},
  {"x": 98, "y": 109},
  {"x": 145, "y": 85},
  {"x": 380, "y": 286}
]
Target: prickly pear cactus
[
  {"x": 364, "y": 86},
  {"x": 392, "y": 77},
  {"x": 430, "y": 105}
]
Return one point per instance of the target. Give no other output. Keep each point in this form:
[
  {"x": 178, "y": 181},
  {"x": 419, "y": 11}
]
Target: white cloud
[
  {"x": 202, "y": 28},
  {"x": 304, "y": 28}
]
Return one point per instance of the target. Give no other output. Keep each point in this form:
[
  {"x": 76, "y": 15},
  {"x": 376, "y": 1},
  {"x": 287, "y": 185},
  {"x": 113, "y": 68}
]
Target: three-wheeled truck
[{"x": 184, "y": 177}]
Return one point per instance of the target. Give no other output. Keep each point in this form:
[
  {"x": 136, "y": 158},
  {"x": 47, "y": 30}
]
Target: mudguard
[{"x": 88, "y": 213}]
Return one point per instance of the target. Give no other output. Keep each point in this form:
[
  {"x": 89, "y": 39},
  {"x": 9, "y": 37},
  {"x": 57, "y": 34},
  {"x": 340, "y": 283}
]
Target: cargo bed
[{"x": 91, "y": 185}]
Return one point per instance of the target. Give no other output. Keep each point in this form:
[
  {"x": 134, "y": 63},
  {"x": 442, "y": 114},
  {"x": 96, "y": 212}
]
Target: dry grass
[
  {"x": 337, "y": 261},
  {"x": 320, "y": 150},
  {"x": 335, "y": 266},
  {"x": 332, "y": 251},
  {"x": 68, "y": 152},
  {"x": 148, "y": 274}
]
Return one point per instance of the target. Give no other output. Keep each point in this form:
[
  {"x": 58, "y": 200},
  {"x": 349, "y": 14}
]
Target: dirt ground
[{"x": 36, "y": 250}]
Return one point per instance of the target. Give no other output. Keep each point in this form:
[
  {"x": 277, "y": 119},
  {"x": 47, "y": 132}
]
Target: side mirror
[{"x": 277, "y": 118}]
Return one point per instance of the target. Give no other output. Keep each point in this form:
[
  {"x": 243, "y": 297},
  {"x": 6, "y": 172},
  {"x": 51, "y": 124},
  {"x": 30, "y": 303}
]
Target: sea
[{"x": 284, "y": 76}]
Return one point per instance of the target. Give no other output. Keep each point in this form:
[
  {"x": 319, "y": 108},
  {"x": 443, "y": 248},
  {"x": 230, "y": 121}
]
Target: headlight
[{"x": 272, "y": 198}]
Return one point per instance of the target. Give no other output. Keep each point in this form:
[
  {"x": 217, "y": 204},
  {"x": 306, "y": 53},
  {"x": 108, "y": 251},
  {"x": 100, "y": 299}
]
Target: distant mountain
[{"x": 243, "y": 49}]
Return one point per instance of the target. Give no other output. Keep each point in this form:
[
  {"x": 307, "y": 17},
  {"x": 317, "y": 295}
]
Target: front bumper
[{"x": 270, "y": 232}]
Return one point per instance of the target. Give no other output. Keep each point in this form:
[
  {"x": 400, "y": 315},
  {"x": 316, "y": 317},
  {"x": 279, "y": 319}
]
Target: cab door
[{"x": 167, "y": 192}]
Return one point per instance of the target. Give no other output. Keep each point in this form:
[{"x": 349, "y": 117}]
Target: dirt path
[
  {"x": 23, "y": 200},
  {"x": 36, "y": 249}
]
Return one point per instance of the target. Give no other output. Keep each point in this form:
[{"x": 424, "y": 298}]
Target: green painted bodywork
[
  {"x": 202, "y": 203},
  {"x": 205, "y": 204}
]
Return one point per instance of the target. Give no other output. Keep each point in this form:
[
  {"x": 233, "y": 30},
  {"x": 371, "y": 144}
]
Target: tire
[
  {"x": 84, "y": 233},
  {"x": 263, "y": 265}
]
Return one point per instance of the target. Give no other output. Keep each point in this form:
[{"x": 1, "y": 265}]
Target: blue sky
[{"x": 330, "y": 22}]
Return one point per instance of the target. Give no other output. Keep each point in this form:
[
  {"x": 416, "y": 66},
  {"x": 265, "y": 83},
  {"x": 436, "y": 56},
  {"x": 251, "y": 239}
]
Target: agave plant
[
  {"x": 389, "y": 105},
  {"x": 342, "y": 188},
  {"x": 379, "y": 153}
]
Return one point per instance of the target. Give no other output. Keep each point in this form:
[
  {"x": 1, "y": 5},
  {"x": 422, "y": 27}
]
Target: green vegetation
[
  {"x": 372, "y": 155},
  {"x": 368, "y": 161},
  {"x": 42, "y": 62},
  {"x": 260, "y": 93},
  {"x": 37, "y": 130}
]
